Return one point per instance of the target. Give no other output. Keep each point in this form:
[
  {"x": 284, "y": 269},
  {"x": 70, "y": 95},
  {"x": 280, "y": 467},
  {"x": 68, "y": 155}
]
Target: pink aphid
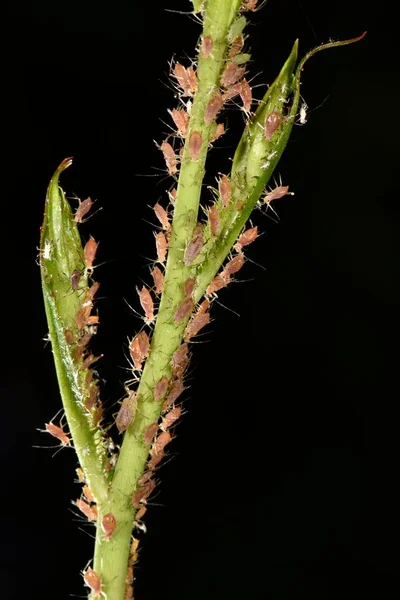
[
  {"x": 271, "y": 124},
  {"x": 181, "y": 119},
  {"x": 236, "y": 46},
  {"x": 89, "y": 252},
  {"x": 108, "y": 525},
  {"x": 184, "y": 309},
  {"x": 160, "y": 442},
  {"x": 150, "y": 433},
  {"x": 194, "y": 247},
  {"x": 180, "y": 360},
  {"x": 214, "y": 220},
  {"x": 195, "y": 325},
  {"x": 232, "y": 73},
  {"x": 93, "y": 581},
  {"x": 206, "y": 46},
  {"x": 161, "y": 388},
  {"x": 219, "y": 130},
  {"x": 142, "y": 493},
  {"x": 246, "y": 95},
  {"x": 224, "y": 188},
  {"x": 204, "y": 306},
  {"x": 278, "y": 192},
  {"x": 170, "y": 418},
  {"x": 220, "y": 281},
  {"x": 147, "y": 303},
  {"x": 175, "y": 391},
  {"x": 139, "y": 349},
  {"x": 246, "y": 238},
  {"x": 213, "y": 107},
  {"x": 188, "y": 286},
  {"x": 234, "y": 265},
  {"x": 161, "y": 247},
  {"x": 126, "y": 413},
  {"x": 169, "y": 157},
  {"x": 83, "y": 209},
  {"x": 58, "y": 433},
  {"x": 158, "y": 278},
  {"x": 90, "y": 512},
  {"x": 162, "y": 216},
  {"x": 92, "y": 291},
  {"x": 187, "y": 79},
  {"x": 195, "y": 143}
]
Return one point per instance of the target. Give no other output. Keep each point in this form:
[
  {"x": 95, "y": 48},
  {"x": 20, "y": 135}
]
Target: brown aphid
[
  {"x": 175, "y": 391},
  {"x": 97, "y": 415},
  {"x": 184, "y": 309},
  {"x": 147, "y": 304},
  {"x": 172, "y": 196},
  {"x": 246, "y": 95},
  {"x": 89, "y": 360},
  {"x": 187, "y": 79},
  {"x": 93, "y": 581},
  {"x": 246, "y": 238},
  {"x": 213, "y": 107},
  {"x": 58, "y": 433},
  {"x": 142, "y": 493},
  {"x": 148, "y": 437},
  {"x": 195, "y": 143},
  {"x": 219, "y": 130},
  {"x": 108, "y": 525},
  {"x": 87, "y": 492},
  {"x": 236, "y": 46},
  {"x": 90, "y": 512},
  {"x": 155, "y": 461},
  {"x": 160, "y": 442},
  {"x": 129, "y": 593},
  {"x": 142, "y": 511},
  {"x": 213, "y": 217},
  {"x": 139, "y": 349},
  {"x": 204, "y": 306},
  {"x": 271, "y": 124},
  {"x": 278, "y": 192},
  {"x": 90, "y": 402},
  {"x": 206, "y": 45},
  {"x": 161, "y": 247},
  {"x": 75, "y": 279},
  {"x": 195, "y": 325},
  {"x": 89, "y": 252},
  {"x": 158, "y": 279},
  {"x": 170, "y": 418},
  {"x": 217, "y": 284},
  {"x": 146, "y": 476},
  {"x": 134, "y": 549},
  {"x": 126, "y": 413},
  {"x": 181, "y": 119},
  {"x": 161, "y": 388},
  {"x": 83, "y": 209},
  {"x": 250, "y": 5},
  {"x": 162, "y": 216},
  {"x": 81, "y": 477},
  {"x": 69, "y": 336},
  {"x": 82, "y": 316},
  {"x": 92, "y": 291},
  {"x": 232, "y": 73},
  {"x": 194, "y": 247},
  {"x": 169, "y": 157},
  {"x": 234, "y": 265},
  {"x": 92, "y": 320},
  {"x": 180, "y": 360},
  {"x": 188, "y": 286},
  {"x": 224, "y": 188}
]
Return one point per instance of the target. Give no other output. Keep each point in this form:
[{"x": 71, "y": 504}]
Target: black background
[{"x": 284, "y": 475}]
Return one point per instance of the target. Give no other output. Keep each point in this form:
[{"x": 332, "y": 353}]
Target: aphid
[
  {"x": 194, "y": 246},
  {"x": 142, "y": 511},
  {"x": 204, "y": 306},
  {"x": 147, "y": 304},
  {"x": 187, "y": 79},
  {"x": 47, "y": 250},
  {"x": 195, "y": 143},
  {"x": 181, "y": 119},
  {"x": 129, "y": 592},
  {"x": 271, "y": 124},
  {"x": 213, "y": 217},
  {"x": 303, "y": 114},
  {"x": 170, "y": 418},
  {"x": 90, "y": 512},
  {"x": 250, "y": 4},
  {"x": 161, "y": 247},
  {"x": 213, "y": 107},
  {"x": 278, "y": 192},
  {"x": 206, "y": 45},
  {"x": 162, "y": 216},
  {"x": 224, "y": 188},
  {"x": 169, "y": 157},
  {"x": 246, "y": 238},
  {"x": 97, "y": 416},
  {"x": 160, "y": 442},
  {"x": 142, "y": 493},
  {"x": 232, "y": 73},
  {"x": 139, "y": 349},
  {"x": 108, "y": 525},
  {"x": 217, "y": 284},
  {"x": 158, "y": 278},
  {"x": 89, "y": 251},
  {"x": 88, "y": 493},
  {"x": 58, "y": 433},
  {"x": 89, "y": 360},
  {"x": 236, "y": 46},
  {"x": 92, "y": 291},
  {"x": 180, "y": 360},
  {"x": 172, "y": 196},
  {"x": 126, "y": 413},
  {"x": 75, "y": 279},
  {"x": 195, "y": 325},
  {"x": 81, "y": 477},
  {"x": 93, "y": 581},
  {"x": 69, "y": 335},
  {"x": 83, "y": 209},
  {"x": 90, "y": 402},
  {"x": 219, "y": 130},
  {"x": 146, "y": 476},
  {"x": 161, "y": 388},
  {"x": 184, "y": 309},
  {"x": 188, "y": 286},
  {"x": 175, "y": 391},
  {"x": 234, "y": 265},
  {"x": 92, "y": 320},
  {"x": 149, "y": 435},
  {"x": 155, "y": 460},
  {"x": 246, "y": 95}
]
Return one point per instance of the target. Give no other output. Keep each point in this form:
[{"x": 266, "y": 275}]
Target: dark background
[{"x": 284, "y": 470}]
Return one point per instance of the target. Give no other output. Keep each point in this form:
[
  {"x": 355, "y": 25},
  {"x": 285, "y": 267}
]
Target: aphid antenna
[
  {"x": 268, "y": 207},
  {"x": 93, "y": 538},
  {"x": 137, "y": 313},
  {"x": 254, "y": 263},
  {"x": 192, "y": 15},
  {"x": 227, "y": 307}
]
